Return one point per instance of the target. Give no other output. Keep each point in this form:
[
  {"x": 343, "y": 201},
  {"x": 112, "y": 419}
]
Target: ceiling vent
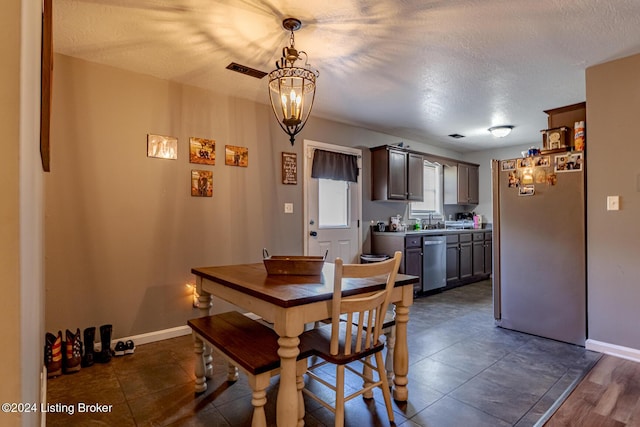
[
  {"x": 456, "y": 136},
  {"x": 243, "y": 69}
]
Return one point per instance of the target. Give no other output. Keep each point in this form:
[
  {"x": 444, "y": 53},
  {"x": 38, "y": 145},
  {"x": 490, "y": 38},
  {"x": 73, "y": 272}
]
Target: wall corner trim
[{"x": 613, "y": 350}]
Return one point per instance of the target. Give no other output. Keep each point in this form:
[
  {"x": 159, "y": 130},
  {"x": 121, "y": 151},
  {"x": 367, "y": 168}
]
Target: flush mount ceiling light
[
  {"x": 292, "y": 89},
  {"x": 500, "y": 131}
]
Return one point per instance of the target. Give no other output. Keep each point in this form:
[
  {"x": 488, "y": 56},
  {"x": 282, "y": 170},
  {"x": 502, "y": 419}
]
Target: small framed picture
[
  {"x": 540, "y": 176},
  {"x": 543, "y": 161},
  {"x": 526, "y": 190},
  {"x": 508, "y": 165},
  {"x": 162, "y": 147},
  {"x": 570, "y": 162},
  {"x": 289, "y": 168},
  {"x": 202, "y": 151},
  {"x": 525, "y": 162},
  {"x": 514, "y": 179},
  {"x": 201, "y": 183},
  {"x": 236, "y": 156},
  {"x": 527, "y": 176}
]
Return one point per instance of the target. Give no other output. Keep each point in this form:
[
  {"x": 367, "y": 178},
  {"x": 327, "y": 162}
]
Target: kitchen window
[{"x": 433, "y": 201}]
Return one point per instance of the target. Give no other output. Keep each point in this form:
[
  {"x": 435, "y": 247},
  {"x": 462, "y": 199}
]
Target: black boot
[
  {"x": 105, "y": 337},
  {"x": 89, "y": 339}
]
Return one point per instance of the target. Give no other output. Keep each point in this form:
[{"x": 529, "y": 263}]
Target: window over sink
[{"x": 432, "y": 203}]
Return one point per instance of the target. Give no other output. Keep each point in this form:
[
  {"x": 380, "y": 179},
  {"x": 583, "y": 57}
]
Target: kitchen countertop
[{"x": 433, "y": 231}]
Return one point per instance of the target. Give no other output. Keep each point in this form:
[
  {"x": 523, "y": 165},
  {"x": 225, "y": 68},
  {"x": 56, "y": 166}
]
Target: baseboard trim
[
  {"x": 613, "y": 350},
  {"x": 150, "y": 337}
]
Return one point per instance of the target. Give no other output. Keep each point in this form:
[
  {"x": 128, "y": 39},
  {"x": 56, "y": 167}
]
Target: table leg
[
  {"x": 401, "y": 355},
  {"x": 201, "y": 380},
  {"x": 204, "y": 305},
  {"x": 286, "y": 413}
]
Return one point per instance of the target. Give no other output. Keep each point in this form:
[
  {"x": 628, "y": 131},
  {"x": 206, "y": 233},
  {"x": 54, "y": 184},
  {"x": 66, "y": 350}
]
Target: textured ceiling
[{"x": 415, "y": 69}]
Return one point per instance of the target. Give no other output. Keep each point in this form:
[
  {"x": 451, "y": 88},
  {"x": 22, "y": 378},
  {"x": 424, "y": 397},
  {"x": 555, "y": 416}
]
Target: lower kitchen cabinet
[
  {"x": 413, "y": 259},
  {"x": 488, "y": 253},
  {"x": 453, "y": 259},
  {"x": 467, "y": 260},
  {"x": 466, "y": 256}
]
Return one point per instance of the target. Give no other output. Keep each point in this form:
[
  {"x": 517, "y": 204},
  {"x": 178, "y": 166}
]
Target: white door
[{"x": 332, "y": 209}]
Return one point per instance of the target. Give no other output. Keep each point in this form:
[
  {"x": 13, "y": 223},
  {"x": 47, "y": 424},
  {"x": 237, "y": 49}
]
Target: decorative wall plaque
[{"x": 289, "y": 168}]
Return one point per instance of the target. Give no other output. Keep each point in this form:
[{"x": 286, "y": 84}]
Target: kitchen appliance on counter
[
  {"x": 460, "y": 224},
  {"x": 460, "y": 216},
  {"x": 539, "y": 266}
]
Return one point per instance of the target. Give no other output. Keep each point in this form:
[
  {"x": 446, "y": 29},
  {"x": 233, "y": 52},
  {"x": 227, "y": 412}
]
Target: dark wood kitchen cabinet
[
  {"x": 488, "y": 253},
  {"x": 459, "y": 257},
  {"x": 453, "y": 259},
  {"x": 468, "y": 258},
  {"x": 413, "y": 259},
  {"x": 478, "y": 253},
  {"x": 461, "y": 184},
  {"x": 482, "y": 253},
  {"x": 396, "y": 174}
]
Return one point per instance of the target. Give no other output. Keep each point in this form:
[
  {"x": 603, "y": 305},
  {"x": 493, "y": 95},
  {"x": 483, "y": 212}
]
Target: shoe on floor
[
  {"x": 72, "y": 356},
  {"x": 130, "y": 347},
  {"x": 53, "y": 354},
  {"x": 120, "y": 348}
]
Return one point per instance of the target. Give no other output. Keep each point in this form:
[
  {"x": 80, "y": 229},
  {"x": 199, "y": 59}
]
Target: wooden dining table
[{"x": 290, "y": 302}]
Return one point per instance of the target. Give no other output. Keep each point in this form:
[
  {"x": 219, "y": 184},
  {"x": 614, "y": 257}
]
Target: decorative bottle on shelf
[{"x": 578, "y": 136}]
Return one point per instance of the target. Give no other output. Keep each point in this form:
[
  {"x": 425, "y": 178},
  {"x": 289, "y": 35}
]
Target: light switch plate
[
  {"x": 288, "y": 208},
  {"x": 613, "y": 203}
]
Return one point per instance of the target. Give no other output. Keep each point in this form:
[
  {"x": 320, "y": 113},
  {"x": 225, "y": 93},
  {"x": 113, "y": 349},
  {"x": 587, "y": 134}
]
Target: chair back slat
[{"x": 369, "y": 309}]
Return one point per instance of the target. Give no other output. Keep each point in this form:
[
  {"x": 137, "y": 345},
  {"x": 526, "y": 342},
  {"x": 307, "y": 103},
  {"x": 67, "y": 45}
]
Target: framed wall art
[
  {"x": 202, "y": 151},
  {"x": 526, "y": 190},
  {"x": 570, "y": 162},
  {"x": 236, "y": 156},
  {"x": 289, "y": 168},
  {"x": 162, "y": 147},
  {"x": 201, "y": 183},
  {"x": 508, "y": 165}
]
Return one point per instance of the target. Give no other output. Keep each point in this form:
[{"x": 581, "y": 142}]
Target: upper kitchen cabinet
[
  {"x": 396, "y": 174},
  {"x": 461, "y": 184}
]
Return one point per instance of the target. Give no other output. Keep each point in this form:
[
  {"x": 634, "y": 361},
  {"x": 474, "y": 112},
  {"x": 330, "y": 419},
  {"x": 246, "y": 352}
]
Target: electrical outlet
[
  {"x": 288, "y": 208},
  {"x": 613, "y": 203}
]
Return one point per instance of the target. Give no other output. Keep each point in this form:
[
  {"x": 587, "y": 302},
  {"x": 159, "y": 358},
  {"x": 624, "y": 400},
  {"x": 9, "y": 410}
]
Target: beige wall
[
  {"x": 613, "y": 109},
  {"x": 10, "y": 388},
  {"x": 122, "y": 230},
  {"x": 21, "y": 210}
]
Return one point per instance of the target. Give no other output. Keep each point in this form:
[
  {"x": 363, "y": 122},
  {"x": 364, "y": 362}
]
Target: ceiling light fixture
[
  {"x": 292, "y": 89},
  {"x": 500, "y": 131}
]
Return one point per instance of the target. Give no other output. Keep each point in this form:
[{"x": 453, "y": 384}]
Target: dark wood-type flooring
[
  {"x": 609, "y": 396},
  {"x": 464, "y": 371}
]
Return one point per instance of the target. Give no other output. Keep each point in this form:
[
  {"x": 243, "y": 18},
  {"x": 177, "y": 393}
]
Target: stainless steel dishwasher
[{"x": 434, "y": 262}]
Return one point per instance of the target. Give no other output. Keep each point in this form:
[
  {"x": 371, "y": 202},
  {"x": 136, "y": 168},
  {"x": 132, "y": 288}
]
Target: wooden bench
[{"x": 252, "y": 347}]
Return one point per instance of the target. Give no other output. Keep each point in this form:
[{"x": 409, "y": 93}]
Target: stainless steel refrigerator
[{"x": 539, "y": 271}]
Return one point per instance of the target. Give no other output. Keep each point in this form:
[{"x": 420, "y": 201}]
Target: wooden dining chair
[
  {"x": 248, "y": 345},
  {"x": 356, "y": 339}
]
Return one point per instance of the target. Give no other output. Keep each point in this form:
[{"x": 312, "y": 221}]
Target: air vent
[
  {"x": 243, "y": 69},
  {"x": 456, "y": 136}
]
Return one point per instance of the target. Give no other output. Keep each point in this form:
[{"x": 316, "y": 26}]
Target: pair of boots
[
  {"x": 62, "y": 356},
  {"x": 90, "y": 355}
]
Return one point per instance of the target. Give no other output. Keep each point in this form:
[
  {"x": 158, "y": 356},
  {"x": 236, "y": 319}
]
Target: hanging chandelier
[{"x": 292, "y": 89}]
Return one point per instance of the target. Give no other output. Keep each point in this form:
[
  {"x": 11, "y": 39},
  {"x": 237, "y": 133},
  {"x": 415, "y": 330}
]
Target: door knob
[{"x": 313, "y": 233}]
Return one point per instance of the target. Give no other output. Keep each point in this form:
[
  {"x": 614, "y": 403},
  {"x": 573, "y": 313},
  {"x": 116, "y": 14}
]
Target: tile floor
[{"x": 463, "y": 371}]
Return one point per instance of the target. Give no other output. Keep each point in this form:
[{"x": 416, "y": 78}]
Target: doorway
[{"x": 332, "y": 209}]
